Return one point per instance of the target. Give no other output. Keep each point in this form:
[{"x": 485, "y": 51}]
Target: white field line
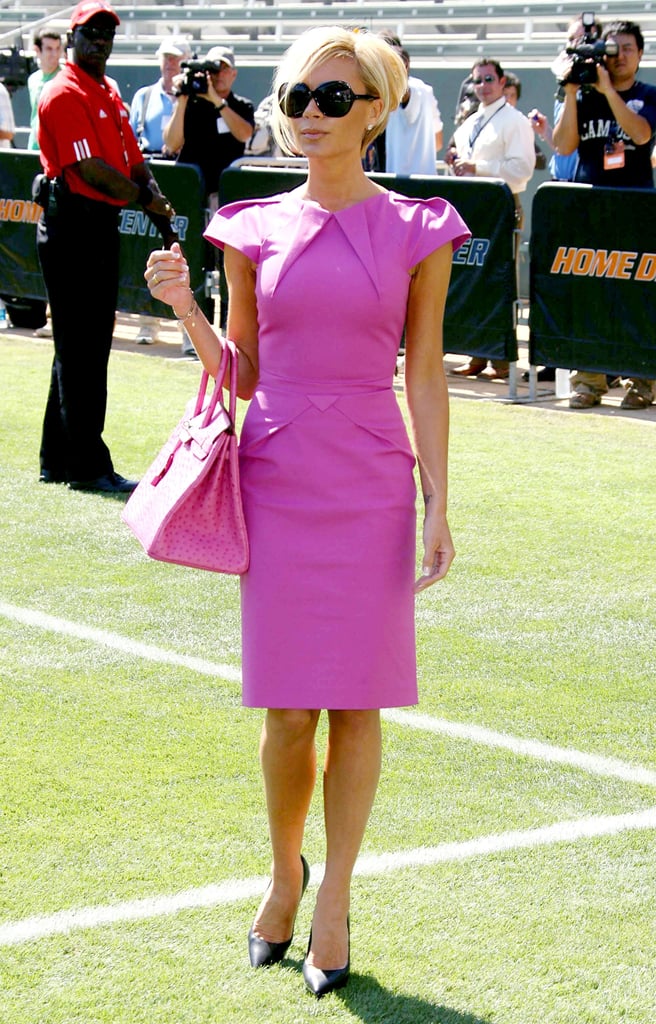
[
  {"x": 117, "y": 642},
  {"x": 61, "y": 923},
  {"x": 30, "y": 929},
  {"x": 591, "y": 763}
]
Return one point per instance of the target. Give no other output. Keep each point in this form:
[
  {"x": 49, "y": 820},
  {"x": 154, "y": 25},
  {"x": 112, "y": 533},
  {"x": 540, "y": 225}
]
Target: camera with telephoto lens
[
  {"x": 588, "y": 54},
  {"x": 194, "y": 81}
]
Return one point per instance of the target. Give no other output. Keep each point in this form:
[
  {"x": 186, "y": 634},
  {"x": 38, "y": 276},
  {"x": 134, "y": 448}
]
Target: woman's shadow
[{"x": 367, "y": 999}]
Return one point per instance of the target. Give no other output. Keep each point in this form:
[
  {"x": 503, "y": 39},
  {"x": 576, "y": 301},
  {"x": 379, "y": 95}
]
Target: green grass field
[{"x": 508, "y": 875}]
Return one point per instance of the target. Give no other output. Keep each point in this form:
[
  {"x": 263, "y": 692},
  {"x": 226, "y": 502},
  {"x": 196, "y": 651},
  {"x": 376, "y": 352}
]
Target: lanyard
[{"x": 476, "y": 131}]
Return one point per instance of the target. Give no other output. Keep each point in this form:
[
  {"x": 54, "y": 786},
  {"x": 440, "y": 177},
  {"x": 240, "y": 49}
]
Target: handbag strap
[{"x": 229, "y": 355}]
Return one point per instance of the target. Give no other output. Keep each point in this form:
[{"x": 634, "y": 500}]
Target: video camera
[
  {"x": 194, "y": 81},
  {"x": 588, "y": 54},
  {"x": 15, "y": 69}
]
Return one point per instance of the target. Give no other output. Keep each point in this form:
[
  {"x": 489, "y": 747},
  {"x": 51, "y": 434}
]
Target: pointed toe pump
[
  {"x": 319, "y": 982},
  {"x": 265, "y": 954}
]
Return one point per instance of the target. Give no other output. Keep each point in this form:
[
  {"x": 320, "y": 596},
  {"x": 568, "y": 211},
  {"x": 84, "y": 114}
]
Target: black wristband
[{"x": 145, "y": 196}]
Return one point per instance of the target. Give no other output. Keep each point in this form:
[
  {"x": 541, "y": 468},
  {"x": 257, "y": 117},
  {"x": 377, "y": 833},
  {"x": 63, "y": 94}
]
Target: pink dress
[{"x": 326, "y": 464}]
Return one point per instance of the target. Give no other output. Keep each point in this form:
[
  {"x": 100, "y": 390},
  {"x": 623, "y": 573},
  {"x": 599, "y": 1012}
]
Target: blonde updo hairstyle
[{"x": 380, "y": 67}]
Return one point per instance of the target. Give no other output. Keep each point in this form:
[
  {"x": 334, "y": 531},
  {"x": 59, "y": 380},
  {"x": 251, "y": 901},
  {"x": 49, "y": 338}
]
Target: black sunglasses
[
  {"x": 334, "y": 99},
  {"x": 485, "y": 78},
  {"x": 93, "y": 33}
]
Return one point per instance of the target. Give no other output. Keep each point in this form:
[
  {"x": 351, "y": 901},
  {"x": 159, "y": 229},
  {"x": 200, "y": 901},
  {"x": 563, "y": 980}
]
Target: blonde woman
[{"x": 322, "y": 282}]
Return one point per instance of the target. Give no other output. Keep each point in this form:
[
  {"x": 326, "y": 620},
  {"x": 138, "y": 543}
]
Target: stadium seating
[{"x": 260, "y": 30}]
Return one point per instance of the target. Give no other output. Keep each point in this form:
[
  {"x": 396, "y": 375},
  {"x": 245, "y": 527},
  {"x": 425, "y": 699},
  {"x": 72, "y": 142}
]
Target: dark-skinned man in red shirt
[{"x": 93, "y": 167}]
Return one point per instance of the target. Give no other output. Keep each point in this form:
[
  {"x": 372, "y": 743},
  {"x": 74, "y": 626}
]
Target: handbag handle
[{"x": 229, "y": 354}]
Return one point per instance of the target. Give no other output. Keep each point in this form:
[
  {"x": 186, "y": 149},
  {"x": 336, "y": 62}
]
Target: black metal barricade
[{"x": 593, "y": 279}]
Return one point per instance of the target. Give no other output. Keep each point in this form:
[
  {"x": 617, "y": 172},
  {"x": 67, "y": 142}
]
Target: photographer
[
  {"x": 210, "y": 125},
  {"x": 611, "y": 120}
]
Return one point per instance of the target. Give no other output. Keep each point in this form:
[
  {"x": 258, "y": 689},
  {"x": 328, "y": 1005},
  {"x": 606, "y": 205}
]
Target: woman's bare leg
[
  {"x": 288, "y": 759},
  {"x": 351, "y": 774}
]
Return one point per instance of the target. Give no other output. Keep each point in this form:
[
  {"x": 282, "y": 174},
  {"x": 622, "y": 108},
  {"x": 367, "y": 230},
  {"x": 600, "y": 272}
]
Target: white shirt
[
  {"x": 411, "y": 130},
  {"x": 6, "y": 116},
  {"x": 499, "y": 140}
]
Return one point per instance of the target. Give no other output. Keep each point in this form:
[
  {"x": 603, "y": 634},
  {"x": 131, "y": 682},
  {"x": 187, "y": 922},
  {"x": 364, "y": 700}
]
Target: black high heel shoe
[
  {"x": 264, "y": 954},
  {"x": 319, "y": 982}
]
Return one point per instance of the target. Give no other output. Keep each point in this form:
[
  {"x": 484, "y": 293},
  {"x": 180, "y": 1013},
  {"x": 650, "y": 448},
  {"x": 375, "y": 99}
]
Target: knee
[
  {"x": 291, "y": 724},
  {"x": 354, "y": 723}
]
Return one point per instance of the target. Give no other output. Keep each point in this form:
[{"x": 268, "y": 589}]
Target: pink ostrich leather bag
[{"x": 187, "y": 509}]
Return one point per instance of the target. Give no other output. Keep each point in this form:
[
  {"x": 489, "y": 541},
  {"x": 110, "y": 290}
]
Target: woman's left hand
[{"x": 438, "y": 551}]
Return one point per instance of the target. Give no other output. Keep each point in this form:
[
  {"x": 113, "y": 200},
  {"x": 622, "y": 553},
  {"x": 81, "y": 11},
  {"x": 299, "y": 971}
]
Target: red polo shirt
[{"x": 80, "y": 118}]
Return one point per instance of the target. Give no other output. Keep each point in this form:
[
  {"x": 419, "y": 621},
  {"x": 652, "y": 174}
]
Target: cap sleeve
[
  {"x": 240, "y": 225},
  {"x": 434, "y": 223}
]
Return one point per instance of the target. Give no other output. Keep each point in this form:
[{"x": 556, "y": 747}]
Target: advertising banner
[
  {"x": 20, "y": 273},
  {"x": 593, "y": 279},
  {"x": 479, "y": 317}
]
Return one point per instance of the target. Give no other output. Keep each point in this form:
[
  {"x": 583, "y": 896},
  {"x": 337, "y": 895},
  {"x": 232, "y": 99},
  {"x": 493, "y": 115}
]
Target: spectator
[
  {"x": 7, "y": 123},
  {"x": 49, "y": 51},
  {"x": 495, "y": 142},
  {"x": 467, "y": 101},
  {"x": 150, "y": 112},
  {"x": 211, "y": 129},
  {"x": 152, "y": 106},
  {"x": 93, "y": 167},
  {"x": 414, "y": 132},
  {"x": 512, "y": 90},
  {"x": 561, "y": 167},
  {"x": 262, "y": 142},
  {"x": 612, "y": 125}
]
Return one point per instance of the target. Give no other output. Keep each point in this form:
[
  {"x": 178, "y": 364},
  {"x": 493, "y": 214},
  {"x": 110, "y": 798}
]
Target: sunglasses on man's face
[
  {"x": 334, "y": 99},
  {"x": 485, "y": 78},
  {"x": 94, "y": 33}
]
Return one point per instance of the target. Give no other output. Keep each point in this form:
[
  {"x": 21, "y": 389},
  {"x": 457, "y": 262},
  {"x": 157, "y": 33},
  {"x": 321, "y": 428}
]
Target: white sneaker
[
  {"x": 146, "y": 336},
  {"x": 45, "y": 331}
]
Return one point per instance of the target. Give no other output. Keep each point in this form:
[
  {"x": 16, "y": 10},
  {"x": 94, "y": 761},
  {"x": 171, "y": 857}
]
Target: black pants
[{"x": 78, "y": 250}]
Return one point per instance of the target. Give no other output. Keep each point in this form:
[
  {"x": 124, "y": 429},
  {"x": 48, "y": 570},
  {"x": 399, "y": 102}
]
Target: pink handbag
[{"x": 187, "y": 509}]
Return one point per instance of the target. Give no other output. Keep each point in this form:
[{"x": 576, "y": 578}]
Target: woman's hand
[
  {"x": 167, "y": 277},
  {"x": 438, "y": 551}
]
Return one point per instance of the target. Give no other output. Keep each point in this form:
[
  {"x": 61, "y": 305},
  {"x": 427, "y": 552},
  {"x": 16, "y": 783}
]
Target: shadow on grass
[{"x": 367, "y": 999}]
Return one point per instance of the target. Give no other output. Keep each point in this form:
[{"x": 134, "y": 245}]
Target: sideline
[
  {"x": 31, "y": 929},
  {"x": 593, "y": 764},
  {"x": 168, "y": 346}
]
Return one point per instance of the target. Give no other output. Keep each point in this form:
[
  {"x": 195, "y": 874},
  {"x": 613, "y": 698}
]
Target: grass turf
[{"x": 124, "y": 779}]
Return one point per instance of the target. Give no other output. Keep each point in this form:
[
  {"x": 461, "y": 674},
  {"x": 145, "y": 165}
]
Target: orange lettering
[
  {"x": 604, "y": 264},
  {"x": 627, "y": 259},
  {"x": 584, "y": 258},
  {"x": 563, "y": 260},
  {"x": 647, "y": 267}
]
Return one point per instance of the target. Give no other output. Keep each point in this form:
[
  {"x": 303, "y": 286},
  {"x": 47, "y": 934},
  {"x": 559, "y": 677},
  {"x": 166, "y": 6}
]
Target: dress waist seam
[{"x": 297, "y": 386}]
